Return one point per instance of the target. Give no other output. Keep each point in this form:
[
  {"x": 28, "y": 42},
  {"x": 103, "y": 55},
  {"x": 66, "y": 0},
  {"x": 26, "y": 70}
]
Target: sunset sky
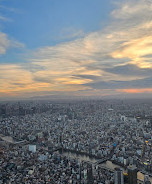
[{"x": 75, "y": 48}]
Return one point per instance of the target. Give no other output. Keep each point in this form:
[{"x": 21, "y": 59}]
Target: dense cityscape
[
  {"x": 78, "y": 142},
  {"x": 76, "y": 92}
]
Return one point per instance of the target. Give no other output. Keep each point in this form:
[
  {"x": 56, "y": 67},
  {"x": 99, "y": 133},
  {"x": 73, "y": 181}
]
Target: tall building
[
  {"x": 132, "y": 174},
  {"x": 89, "y": 173},
  {"x": 119, "y": 178}
]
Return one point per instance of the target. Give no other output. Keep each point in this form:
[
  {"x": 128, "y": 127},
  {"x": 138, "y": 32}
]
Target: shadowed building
[
  {"x": 89, "y": 173},
  {"x": 132, "y": 174},
  {"x": 119, "y": 178}
]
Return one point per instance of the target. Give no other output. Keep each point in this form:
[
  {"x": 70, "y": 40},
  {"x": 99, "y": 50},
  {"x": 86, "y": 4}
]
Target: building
[
  {"x": 147, "y": 179},
  {"x": 132, "y": 174},
  {"x": 89, "y": 173},
  {"x": 119, "y": 178}
]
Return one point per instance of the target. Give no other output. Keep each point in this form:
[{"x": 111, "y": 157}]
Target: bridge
[{"x": 101, "y": 161}]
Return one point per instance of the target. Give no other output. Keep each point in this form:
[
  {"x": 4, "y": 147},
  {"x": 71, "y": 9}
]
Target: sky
[{"x": 76, "y": 48}]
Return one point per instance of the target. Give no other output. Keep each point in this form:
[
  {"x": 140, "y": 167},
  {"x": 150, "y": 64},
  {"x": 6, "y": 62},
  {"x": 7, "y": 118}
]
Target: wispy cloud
[
  {"x": 112, "y": 59},
  {"x": 4, "y": 18},
  {"x": 7, "y": 8},
  {"x": 4, "y": 43},
  {"x": 70, "y": 33}
]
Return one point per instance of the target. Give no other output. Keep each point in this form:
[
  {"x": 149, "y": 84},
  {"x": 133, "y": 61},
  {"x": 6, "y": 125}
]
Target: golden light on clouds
[
  {"x": 77, "y": 65},
  {"x": 135, "y": 50},
  {"x": 145, "y": 90}
]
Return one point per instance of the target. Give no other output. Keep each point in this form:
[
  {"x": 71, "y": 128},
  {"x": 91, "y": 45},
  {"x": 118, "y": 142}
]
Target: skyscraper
[
  {"x": 119, "y": 179},
  {"x": 132, "y": 174},
  {"x": 89, "y": 173}
]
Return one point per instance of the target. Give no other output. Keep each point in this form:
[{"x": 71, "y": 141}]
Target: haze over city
[
  {"x": 75, "y": 48},
  {"x": 75, "y": 91}
]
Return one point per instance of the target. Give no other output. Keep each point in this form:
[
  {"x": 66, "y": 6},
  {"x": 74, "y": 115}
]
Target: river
[
  {"x": 82, "y": 157},
  {"x": 107, "y": 164},
  {"x": 7, "y": 138}
]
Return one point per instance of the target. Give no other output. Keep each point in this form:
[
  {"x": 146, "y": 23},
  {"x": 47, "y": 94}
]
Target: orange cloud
[
  {"x": 145, "y": 90},
  {"x": 135, "y": 50},
  {"x": 59, "y": 68}
]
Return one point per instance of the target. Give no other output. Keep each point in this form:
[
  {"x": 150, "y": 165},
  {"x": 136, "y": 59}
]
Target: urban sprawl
[{"x": 76, "y": 142}]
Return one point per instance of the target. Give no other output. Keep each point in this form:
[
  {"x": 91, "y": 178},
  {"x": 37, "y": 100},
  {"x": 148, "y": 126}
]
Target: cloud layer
[{"x": 114, "y": 60}]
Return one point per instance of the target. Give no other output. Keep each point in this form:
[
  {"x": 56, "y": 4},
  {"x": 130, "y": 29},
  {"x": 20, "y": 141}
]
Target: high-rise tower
[
  {"x": 132, "y": 174},
  {"x": 119, "y": 179}
]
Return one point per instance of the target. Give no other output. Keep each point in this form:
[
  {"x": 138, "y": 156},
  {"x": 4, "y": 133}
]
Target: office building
[
  {"x": 119, "y": 178},
  {"x": 132, "y": 174}
]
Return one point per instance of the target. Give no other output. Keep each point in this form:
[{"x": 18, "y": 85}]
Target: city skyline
[{"x": 75, "y": 48}]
